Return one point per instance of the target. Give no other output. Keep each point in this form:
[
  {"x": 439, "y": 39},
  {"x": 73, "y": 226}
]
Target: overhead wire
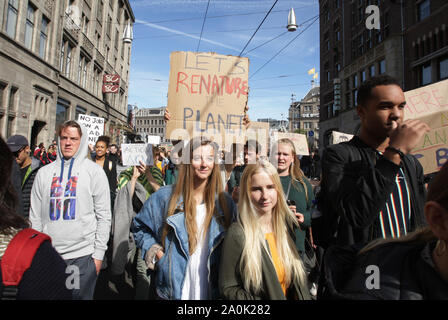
[
  {"x": 267, "y": 14},
  {"x": 221, "y": 16},
  {"x": 203, "y": 23},
  {"x": 306, "y": 28}
]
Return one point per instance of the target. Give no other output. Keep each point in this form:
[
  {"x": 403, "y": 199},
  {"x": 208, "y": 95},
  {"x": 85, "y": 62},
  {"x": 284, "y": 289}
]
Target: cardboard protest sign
[
  {"x": 207, "y": 95},
  {"x": 133, "y": 153},
  {"x": 338, "y": 137},
  {"x": 259, "y": 131},
  {"x": 94, "y": 126},
  {"x": 299, "y": 140},
  {"x": 430, "y": 104}
]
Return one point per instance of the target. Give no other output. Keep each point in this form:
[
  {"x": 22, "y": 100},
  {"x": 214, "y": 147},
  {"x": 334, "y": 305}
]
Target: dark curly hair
[{"x": 104, "y": 139}]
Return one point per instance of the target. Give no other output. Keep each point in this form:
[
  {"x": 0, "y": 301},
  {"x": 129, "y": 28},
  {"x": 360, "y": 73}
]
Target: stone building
[
  {"x": 304, "y": 116},
  {"x": 151, "y": 122},
  {"x": 410, "y": 45},
  {"x": 52, "y": 60}
]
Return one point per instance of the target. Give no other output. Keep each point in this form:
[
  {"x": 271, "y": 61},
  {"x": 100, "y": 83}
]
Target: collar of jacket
[{"x": 215, "y": 231}]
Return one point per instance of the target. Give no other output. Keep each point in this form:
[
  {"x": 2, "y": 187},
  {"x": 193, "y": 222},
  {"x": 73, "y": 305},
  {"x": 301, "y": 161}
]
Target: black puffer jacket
[
  {"x": 403, "y": 273},
  {"x": 27, "y": 185}
]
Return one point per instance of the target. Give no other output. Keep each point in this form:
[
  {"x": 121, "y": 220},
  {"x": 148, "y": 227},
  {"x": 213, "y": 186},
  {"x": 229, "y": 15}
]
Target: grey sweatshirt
[{"x": 70, "y": 201}]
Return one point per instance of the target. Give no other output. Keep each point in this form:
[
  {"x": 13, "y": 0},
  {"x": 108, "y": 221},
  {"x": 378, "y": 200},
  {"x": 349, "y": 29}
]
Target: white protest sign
[
  {"x": 153, "y": 139},
  {"x": 133, "y": 153},
  {"x": 94, "y": 126},
  {"x": 299, "y": 140},
  {"x": 338, "y": 137}
]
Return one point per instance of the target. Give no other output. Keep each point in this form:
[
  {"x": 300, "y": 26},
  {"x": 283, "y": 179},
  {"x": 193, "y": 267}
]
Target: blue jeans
[{"x": 87, "y": 277}]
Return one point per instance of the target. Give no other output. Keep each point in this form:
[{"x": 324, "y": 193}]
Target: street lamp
[
  {"x": 128, "y": 35},
  {"x": 292, "y": 25}
]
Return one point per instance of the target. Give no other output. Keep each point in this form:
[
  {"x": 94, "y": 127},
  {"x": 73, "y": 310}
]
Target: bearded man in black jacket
[{"x": 372, "y": 187}]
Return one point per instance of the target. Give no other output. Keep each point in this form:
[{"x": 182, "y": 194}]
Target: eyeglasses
[{"x": 16, "y": 154}]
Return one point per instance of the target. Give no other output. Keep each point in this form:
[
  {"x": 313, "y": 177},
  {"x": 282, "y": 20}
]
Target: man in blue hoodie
[{"x": 70, "y": 201}]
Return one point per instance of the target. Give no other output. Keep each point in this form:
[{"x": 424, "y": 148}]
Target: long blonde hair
[
  {"x": 185, "y": 186},
  {"x": 295, "y": 171},
  {"x": 282, "y": 219}
]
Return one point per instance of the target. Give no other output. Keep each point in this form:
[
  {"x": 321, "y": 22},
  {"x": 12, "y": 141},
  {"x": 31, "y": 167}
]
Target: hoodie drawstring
[
  {"x": 69, "y": 170},
  {"x": 62, "y": 171}
]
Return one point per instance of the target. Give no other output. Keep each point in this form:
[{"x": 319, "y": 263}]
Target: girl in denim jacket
[{"x": 181, "y": 227}]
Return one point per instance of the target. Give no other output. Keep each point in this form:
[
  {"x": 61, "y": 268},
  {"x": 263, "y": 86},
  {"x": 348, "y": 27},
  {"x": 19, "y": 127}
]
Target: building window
[
  {"x": 11, "y": 19},
  {"x": 363, "y": 76},
  {"x": 424, "y": 9},
  {"x": 29, "y": 26},
  {"x": 68, "y": 60},
  {"x": 61, "y": 112},
  {"x": 43, "y": 37},
  {"x": 80, "y": 110},
  {"x": 355, "y": 81},
  {"x": 97, "y": 82},
  {"x": 82, "y": 71},
  {"x": 85, "y": 25},
  {"x": 426, "y": 74},
  {"x": 372, "y": 71},
  {"x": 443, "y": 69},
  {"x": 61, "y": 58},
  {"x": 382, "y": 66}
]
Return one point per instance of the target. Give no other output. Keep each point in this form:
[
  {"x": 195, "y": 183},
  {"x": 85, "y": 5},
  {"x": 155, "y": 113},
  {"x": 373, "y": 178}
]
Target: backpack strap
[{"x": 17, "y": 259}]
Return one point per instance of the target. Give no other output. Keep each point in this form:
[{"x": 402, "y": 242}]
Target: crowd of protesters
[{"x": 206, "y": 223}]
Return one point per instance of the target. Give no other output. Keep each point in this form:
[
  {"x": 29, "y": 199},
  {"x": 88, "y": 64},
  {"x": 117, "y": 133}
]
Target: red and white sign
[
  {"x": 111, "y": 78},
  {"x": 110, "y": 88}
]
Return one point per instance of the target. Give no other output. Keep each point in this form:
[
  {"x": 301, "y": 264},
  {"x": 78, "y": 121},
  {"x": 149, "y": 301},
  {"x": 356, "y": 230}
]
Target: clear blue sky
[{"x": 164, "y": 26}]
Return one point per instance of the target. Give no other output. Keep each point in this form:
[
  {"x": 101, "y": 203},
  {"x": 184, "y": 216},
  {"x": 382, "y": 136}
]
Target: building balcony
[{"x": 87, "y": 45}]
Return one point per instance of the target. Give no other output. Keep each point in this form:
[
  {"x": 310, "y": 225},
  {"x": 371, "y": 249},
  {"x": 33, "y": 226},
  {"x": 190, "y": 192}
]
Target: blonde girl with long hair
[
  {"x": 259, "y": 259},
  {"x": 298, "y": 190},
  {"x": 181, "y": 227}
]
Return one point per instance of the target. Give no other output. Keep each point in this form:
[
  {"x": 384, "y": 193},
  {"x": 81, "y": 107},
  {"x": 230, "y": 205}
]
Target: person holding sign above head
[
  {"x": 372, "y": 187},
  {"x": 181, "y": 227},
  {"x": 259, "y": 259}
]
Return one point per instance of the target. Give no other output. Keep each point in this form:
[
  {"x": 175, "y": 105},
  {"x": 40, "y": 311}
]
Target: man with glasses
[{"x": 28, "y": 166}]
